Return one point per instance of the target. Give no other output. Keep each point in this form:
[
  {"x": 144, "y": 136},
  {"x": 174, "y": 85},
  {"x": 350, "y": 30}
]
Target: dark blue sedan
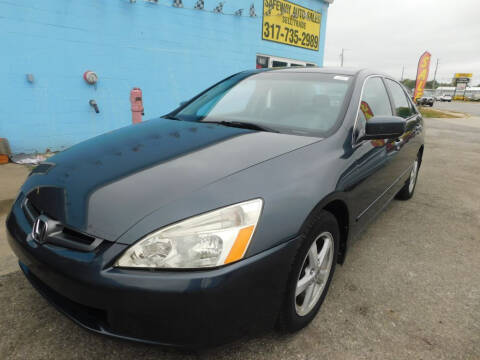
[{"x": 226, "y": 216}]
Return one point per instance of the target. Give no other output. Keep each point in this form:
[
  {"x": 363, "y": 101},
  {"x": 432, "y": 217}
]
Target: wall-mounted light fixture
[
  {"x": 90, "y": 77},
  {"x": 252, "y": 11},
  {"x": 219, "y": 8},
  {"x": 94, "y": 105}
]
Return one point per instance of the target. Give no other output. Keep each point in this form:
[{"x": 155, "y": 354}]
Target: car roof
[
  {"x": 326, "y": 70},
  {"x": 363, "y": 72}
]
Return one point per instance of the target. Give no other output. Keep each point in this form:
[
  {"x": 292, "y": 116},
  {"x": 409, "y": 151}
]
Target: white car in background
[
  {"x": 445, "y": 97},
  {"x": 475, "y": 97}
]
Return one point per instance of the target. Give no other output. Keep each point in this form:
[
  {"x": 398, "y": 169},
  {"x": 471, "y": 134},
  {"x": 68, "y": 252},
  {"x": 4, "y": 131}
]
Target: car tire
[
  {"x": 301, "y": 306},
  {"x": 408, "y": 189}
]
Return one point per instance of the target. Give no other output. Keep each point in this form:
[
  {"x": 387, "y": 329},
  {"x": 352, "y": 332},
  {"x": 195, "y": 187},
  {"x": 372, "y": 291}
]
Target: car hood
[{"x": 103, "y": 186}]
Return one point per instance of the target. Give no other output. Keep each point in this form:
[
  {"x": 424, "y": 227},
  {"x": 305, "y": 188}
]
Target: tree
[
  {"x": 410, "y": 84},
  {"x": 435, "y": 84}
]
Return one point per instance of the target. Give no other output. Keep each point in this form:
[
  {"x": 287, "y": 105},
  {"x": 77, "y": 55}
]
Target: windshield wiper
[
  {"x": 171, "y": 117},
  {"x": 243, "y": 125}
]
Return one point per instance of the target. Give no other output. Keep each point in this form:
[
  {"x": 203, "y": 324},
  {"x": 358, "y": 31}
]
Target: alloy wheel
[
  {"x": 413, "y": 177},
  {"x": 314, "y": 273}
]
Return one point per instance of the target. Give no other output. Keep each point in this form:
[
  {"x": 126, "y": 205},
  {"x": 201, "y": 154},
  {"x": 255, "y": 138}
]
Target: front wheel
[
  {"x": 407, "y": 191},
  {"x": 311, "y": 273}
]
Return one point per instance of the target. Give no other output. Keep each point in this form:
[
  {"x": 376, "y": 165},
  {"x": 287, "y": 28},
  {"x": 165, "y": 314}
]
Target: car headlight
[{"x": 212, "y": 239}]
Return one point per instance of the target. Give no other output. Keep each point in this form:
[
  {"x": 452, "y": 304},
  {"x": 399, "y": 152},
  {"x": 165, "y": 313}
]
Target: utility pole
[
  {"x": 435, "y": 74},
  {"x": 341, "y": 57},
  {"x": 403, "y": 69}
]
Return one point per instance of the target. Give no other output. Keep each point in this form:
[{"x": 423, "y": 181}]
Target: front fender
[{"x": 291, "y": 185}]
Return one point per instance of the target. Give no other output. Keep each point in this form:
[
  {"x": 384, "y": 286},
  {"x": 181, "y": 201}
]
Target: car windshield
[{"x": 306, "y": 103}]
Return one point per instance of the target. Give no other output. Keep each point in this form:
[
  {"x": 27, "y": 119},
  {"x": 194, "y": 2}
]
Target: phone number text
[{"x": 292, "y": 36}]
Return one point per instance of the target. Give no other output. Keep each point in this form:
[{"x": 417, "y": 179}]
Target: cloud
[{"x": 388, "y": 34}]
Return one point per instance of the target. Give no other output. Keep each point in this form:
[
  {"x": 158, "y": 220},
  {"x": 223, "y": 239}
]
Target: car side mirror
[{"x": 384, "y": 127}]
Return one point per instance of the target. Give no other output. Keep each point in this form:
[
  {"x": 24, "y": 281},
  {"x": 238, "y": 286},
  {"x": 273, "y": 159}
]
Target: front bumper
[{"x": 176, "y": 308}]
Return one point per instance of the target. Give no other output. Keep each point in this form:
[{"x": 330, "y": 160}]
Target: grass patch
[{"x": 433, "y": 113}]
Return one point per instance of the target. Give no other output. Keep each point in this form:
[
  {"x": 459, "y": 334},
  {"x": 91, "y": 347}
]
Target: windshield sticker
[{"x": 343, "y": 78}]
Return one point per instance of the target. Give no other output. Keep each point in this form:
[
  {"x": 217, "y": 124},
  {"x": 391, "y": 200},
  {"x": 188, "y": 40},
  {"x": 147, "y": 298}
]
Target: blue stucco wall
[{"x": 170, "y": 53}]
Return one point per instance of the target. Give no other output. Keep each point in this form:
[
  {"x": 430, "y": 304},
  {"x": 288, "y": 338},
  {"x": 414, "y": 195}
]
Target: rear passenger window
[
  {"x": 403, "y": 107},
  {"x": 374, "y": 102}
]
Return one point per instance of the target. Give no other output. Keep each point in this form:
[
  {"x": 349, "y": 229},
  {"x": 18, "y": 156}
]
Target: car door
[
  {"x": 375, "y": 160},
  {"x": 406, "y": 146}
]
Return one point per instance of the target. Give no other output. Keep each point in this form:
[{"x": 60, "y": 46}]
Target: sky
[{"x": 388, "y": 34}]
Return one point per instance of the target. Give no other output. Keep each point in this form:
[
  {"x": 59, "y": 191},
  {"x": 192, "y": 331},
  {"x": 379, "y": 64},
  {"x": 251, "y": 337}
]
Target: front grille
[
  {"x": 30, "y": 211},
  {"x": 78, "y": 236},
  {"x": 63, "y": 236}
]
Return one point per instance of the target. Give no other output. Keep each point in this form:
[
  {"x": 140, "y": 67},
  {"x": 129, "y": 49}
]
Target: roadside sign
[
  {"x": 291, "y": 24},
  {"x": 461, "y": 81},
  {"x": 461, "y": 86}
]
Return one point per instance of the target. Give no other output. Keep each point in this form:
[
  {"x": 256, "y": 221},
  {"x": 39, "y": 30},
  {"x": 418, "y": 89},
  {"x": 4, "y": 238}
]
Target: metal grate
[
  {"x": 78, "y": 236},
  {"x": 62, "y": 236},
  {"x": 30, "y": 211}
]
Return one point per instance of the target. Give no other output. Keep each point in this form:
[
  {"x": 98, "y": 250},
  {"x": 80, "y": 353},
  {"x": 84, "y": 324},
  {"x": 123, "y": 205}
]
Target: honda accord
[{"x": 225, "y": 217}]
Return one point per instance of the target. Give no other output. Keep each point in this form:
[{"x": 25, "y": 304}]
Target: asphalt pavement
[
  {"x": 409, "y": 289},
  {"x": 472, "y": 108}
]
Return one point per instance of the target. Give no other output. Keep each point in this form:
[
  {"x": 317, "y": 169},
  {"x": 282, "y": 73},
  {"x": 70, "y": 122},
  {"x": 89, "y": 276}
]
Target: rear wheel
[
  {"x": 407, "y": 191},
  {"x": 311, "y": 273}
]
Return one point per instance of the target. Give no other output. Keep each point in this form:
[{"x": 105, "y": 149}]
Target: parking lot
[
  {"x": 472, "y": 108},
  {"x": 409, "y": 289}
]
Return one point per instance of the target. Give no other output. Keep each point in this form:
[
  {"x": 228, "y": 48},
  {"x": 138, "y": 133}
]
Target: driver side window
[{"x": 374, "y": 102}]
